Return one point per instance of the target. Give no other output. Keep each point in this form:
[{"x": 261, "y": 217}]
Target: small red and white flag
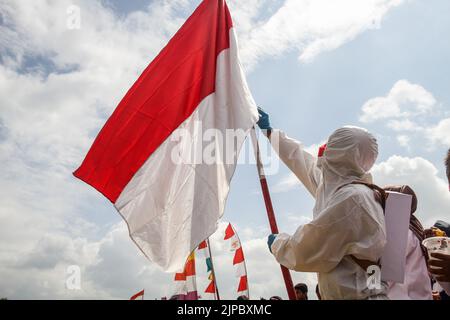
[
  {"x": 171, "y": 206},
  {"x": 140, "y": 294},
  {"x": 231, "y": 235},
  {"x": 238, "y": 259},
  {"x": 211, "y": 288},
  {"x": 243, "y": 285}
]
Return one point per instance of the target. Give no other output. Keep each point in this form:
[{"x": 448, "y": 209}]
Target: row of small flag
[{"x": 186, "y": 286}]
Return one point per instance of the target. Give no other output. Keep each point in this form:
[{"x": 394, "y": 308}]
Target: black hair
[{"x": 302, "y": 287}]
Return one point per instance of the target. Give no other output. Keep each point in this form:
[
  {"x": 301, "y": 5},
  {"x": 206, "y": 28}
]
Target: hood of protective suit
[
  {"x": 349, "y": 155},
  {"x": 350, "y": 152}
]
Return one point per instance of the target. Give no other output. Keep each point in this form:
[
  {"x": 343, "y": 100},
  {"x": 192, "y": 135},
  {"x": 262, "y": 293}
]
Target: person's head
[
  {"x": 447, "y": 166},
  {"x": 405, "y": 190},
  {"x": 243, "y": 297},
  {"x": 275, "y": 298},
  {"x": 301, "y": 291},
  {"x": 443, "y": 226},
  {"x": 350, "y": 152}
]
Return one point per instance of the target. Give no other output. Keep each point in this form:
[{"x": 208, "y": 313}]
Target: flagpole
[
  {"x": 270, "y": 212},
  {"x": 195, "y": 277},
  {"x": 212, "y": 270}
]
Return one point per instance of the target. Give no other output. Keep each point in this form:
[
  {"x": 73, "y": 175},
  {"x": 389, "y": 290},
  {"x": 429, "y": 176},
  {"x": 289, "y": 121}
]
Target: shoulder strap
[
  {"x": 380, "y": 197},
  {"x": 380, "y": 194},
  {"x": 364, "y": 264}
]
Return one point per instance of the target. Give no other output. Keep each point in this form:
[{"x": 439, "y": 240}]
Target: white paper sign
[{"x": 397, "y": 216}]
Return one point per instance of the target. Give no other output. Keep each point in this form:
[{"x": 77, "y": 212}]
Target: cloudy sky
[{"x": 314, "y": 65}]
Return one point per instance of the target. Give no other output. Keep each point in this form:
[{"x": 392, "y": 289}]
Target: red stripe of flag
[
  {"x": 202, "y": 245},
  {"x": 229, "y": 232},
  {"x": 189, "y": 269},
  {"x": 164, "y": 96},
  {"x": 242, "y": 284},
  {"x": 238, "y": 256},
  {"x": 180, "y": 276},
  {"x": 211, "y": 288}
]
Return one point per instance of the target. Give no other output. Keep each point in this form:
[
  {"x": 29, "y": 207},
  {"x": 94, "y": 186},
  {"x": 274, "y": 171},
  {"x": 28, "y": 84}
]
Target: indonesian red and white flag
[{"x": 138, "y": 160}]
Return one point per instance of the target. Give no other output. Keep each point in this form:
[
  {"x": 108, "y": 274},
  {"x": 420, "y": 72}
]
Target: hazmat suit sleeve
[
  {"x": 344, "y": 228},
  {"x": 300, "y": 162}
]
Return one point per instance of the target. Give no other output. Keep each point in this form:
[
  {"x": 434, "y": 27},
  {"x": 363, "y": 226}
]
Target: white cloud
[
  {"x": 290, "y": 181},
  {"x": 105, "y": 41},
  {"x": 440, "y": 133},
  {"x": 403, "y": 140},
  {"x": 423, "y": 177},
  {"x": 111, "y": 268},
  {"x": 411, "y": 111},
  {"x": 408, "y": 109},
  {"x": 404, "y": 125},
  {"x": 310, "y": 27},
  {"x": 266, "y": 28},
  {"x": 403, "y": 100},
  {"x": 287, "y": 183}
]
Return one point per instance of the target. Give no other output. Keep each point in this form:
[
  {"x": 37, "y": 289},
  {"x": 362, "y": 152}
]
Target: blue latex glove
[
  {"x": 263, "y": 122},
  {"x": 270, "y": 241}
]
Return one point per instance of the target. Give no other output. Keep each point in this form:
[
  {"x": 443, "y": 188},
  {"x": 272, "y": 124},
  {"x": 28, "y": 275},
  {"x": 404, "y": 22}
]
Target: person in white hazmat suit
[{"x": 345, "y": 240}]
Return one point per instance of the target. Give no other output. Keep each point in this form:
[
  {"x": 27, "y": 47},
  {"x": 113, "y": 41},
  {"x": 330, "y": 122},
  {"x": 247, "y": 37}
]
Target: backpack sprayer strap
[{"x": 380, "y": 197}]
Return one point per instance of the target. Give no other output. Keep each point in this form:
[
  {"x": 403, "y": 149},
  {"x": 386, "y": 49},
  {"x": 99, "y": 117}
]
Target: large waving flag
[{"x": 171, "y": 206}]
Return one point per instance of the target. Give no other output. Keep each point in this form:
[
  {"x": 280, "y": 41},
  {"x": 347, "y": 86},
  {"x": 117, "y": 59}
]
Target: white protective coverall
[{"x": 347, "y": 220}]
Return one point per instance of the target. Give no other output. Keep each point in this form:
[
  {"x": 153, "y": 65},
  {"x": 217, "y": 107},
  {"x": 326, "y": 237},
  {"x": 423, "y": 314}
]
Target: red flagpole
[{"x": 270, "y": 212}]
